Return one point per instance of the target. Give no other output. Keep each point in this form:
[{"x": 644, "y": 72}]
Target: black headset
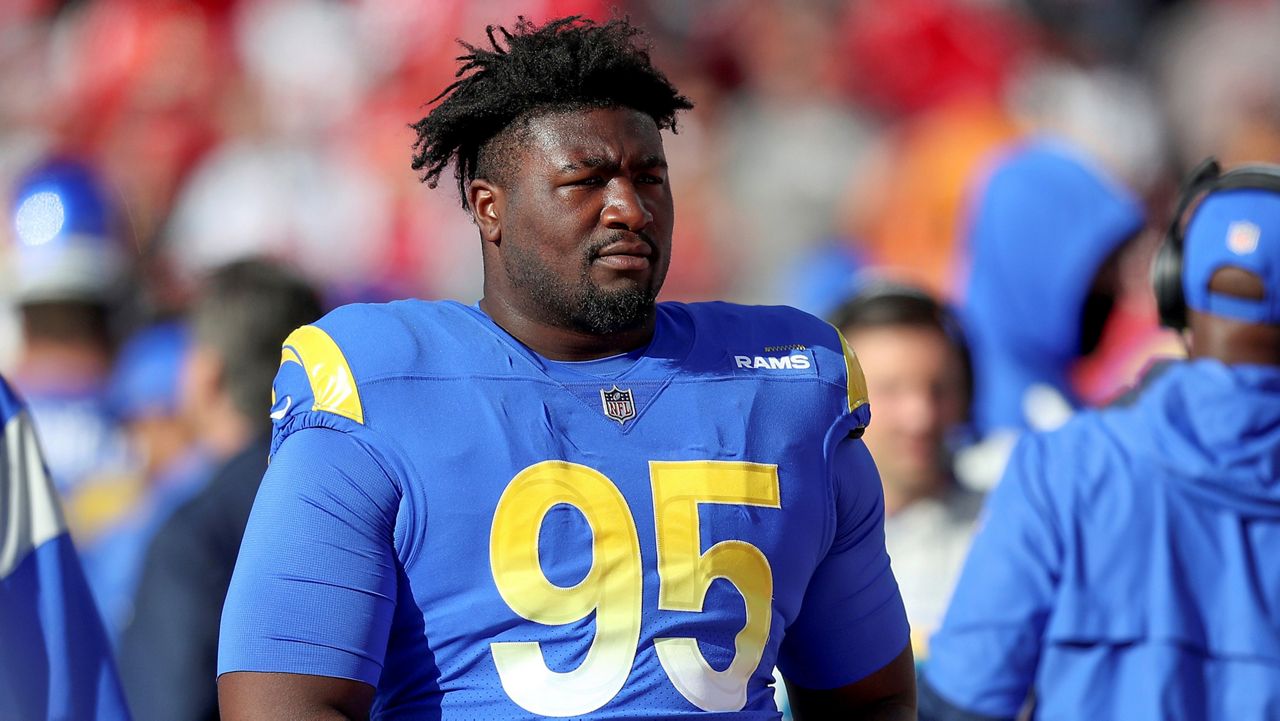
[{"x": 1166, "y": 271}]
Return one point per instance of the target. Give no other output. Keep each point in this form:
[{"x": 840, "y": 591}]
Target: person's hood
[
  {"x": 1213, "y": 427},
  {"x": 1044, "y": 223}
]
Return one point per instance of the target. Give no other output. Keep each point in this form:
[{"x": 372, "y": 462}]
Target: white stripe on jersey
[{"x": 29, "y": 509}]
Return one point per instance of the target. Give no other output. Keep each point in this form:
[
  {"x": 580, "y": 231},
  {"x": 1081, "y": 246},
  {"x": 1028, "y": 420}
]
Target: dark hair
[
  {"x": 881, "y": 303},
  {"x": 68, "y": 321},
  {"x": 244, "y": 312},
  {"x": 567, "y": 64}
]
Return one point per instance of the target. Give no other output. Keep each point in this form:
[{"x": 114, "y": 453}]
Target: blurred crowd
[
  {"x": 957, "y": 150},
  {"x": 827, "y": 133}
]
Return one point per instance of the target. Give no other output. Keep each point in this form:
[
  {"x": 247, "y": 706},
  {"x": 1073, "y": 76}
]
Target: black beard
[
  {"x": 584, "y": 306},
  {"x": 601, "y": 313}
]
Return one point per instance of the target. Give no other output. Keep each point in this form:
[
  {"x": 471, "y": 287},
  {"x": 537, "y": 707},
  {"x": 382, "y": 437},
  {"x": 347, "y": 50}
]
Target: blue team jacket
[{"x": 1127, "y": 567}]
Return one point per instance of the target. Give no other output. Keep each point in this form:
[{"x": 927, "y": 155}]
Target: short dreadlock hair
[{"x": 565, "y": 65}]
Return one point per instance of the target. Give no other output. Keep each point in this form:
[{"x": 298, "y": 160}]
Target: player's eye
[
  {"x": 651, "y": 179},
  {"x": 589, "y": 181}
]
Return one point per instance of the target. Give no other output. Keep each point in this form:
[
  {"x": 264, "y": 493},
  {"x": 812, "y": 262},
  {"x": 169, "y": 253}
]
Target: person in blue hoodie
[
  {"x": 1046, "y": 226},
  {"x": 1126, "y": 568}
]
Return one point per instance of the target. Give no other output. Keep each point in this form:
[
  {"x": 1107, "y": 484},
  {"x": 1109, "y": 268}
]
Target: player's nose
[{"x": 624, "y": 209}]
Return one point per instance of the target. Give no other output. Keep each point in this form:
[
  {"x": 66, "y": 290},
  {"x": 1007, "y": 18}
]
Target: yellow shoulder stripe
[
  {"x": 332, "y": 385},
  {"x": 857, "y": 383}
]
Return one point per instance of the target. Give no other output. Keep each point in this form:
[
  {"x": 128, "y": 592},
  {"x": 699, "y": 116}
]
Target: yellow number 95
[{"x": 612, "y": 588}]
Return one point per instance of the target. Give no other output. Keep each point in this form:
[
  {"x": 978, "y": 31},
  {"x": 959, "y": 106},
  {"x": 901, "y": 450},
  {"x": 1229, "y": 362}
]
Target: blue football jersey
[
  {"x": 482, "y": 533},
  {"x": 55, "y": 662}
]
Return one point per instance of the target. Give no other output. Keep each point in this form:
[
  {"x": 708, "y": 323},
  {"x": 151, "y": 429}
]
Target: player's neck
[
  {"x": 564, "y": 344},
  {"x": 1232, "y": 341}
]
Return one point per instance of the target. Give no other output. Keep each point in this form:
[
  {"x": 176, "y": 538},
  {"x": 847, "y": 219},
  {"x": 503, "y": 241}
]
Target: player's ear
[{"x": 486, "y": 201}]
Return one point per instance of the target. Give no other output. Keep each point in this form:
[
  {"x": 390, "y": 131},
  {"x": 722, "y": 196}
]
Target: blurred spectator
[
  {"x": 906, "y": 202},
  {"x": 288, "y": 200},
  {"x": 1217, "y": 65},
  {"x": 916, "y": 362},
  {"x": 1110, "y": 113},
  {"x": 788, "y": 144},
  {"x": 66, "y": 266},
  {"x": 1041, "y": 281},
  {"x": 819, "y": 282},
  {"x": 939, "y": 70},
  {"x": 54, "y": 662},
  {"x": 1126, "y": 565},
  {"x": 912, "y": 56},
  {"x": 137, "y": 85},
  {"x": 169, "y": 467},
  {"x": 169, "y": 649}
]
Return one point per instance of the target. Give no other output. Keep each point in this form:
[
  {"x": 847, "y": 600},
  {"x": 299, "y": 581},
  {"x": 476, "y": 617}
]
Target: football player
[{"x": 567, "y": 499}]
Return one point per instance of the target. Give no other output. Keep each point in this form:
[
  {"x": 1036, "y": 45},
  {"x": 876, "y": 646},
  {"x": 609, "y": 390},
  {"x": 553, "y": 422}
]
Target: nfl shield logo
[
  {"x": 618, "y": 404},
  {"x": 1242, "y": 237}
]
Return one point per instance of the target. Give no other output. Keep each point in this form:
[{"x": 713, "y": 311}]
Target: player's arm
[
  {"x": 848, "y": 653},
  {"x": 982, "y": 661},
  {"x": 249, "y": 696},
  {"x": 888, "y": 694},
  {"x": 308, "y": 614}
]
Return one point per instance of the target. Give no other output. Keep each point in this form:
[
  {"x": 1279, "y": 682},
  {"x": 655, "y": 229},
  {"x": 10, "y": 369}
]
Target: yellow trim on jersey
[
  {"x": 856, "y": 382},
  {"x": 332, "y": 385}
]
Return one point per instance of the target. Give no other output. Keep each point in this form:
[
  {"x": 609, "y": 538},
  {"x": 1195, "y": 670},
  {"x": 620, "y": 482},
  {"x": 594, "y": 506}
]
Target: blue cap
[
  {"x": 65, "y": 244},
  {"x": 1237, "y": 228},
  {"x": 145, "y": 379}
]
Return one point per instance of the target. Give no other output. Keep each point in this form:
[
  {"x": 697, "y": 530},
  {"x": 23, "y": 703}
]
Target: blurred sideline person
[
  {"x": 55, "y": 662},
  {"x": 914, "y": 355},
  {"x": 1126, "y": 568},
  {"x": 567, "y": 499},
  {"x": 167, "y": 464},
  {"x": 168, "y": 651},
  {"x": 66, "y": 269},
  {"x": 1041, "y": 278}
]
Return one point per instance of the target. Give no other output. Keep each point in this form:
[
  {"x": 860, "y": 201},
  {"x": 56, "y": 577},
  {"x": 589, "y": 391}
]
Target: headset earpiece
[
  {"x": 1166, "y": 271},
  {"x": 1166, "y": 282}
]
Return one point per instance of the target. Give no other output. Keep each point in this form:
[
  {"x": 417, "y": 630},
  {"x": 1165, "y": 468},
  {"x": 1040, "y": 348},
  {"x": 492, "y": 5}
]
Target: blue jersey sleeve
[
  {"x": 320, "y": 537},
  {"x": 983, "y": 658},
  {"x": 852, "y": 621}
]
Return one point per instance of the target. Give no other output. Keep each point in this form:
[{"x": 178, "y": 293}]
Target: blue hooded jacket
[
  {"x": 1043, "y": 225},
  {"x": 1127, "y": 567}
]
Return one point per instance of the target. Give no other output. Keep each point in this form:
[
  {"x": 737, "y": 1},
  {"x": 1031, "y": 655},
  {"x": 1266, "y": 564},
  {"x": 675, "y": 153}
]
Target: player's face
[
  {"x": 586, "y": 227},
  {"x": 916, "y": 386}
]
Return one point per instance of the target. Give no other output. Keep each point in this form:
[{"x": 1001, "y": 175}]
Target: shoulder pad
[
  {"x": 322, "y": 364},
  {"x": 855, "y": 381},
  {"x": 326, "y": 366},
  {"x": 325, "y": 382}
]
